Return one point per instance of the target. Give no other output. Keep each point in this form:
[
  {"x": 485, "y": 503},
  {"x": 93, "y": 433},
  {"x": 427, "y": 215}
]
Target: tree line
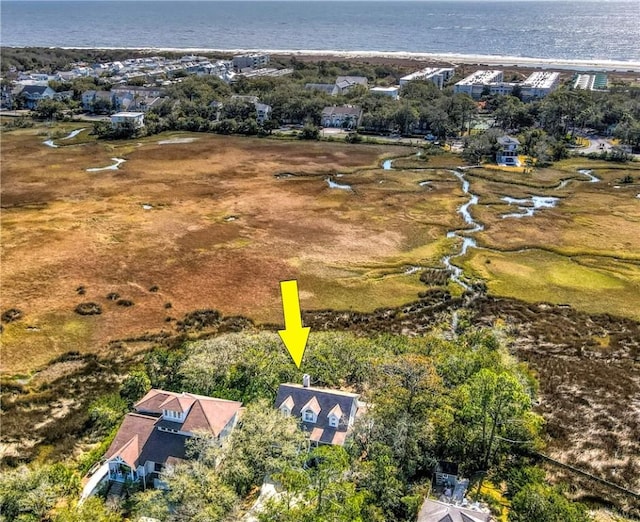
[{"x": 464, "y": 400}]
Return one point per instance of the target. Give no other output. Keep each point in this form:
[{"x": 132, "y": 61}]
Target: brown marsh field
[
  {"x": 213, "y": 222},
  {"x": 217, "y": 222}
]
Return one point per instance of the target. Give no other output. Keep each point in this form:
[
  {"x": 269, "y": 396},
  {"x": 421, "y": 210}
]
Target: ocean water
[{"x": 583, "y": 30}]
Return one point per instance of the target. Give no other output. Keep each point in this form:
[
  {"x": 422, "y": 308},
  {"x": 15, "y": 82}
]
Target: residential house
[
  {"x": 263, "y": 112},
  {"x": 7, "y": 96},
  {"x": 65, "y": 76},
  {"x": 344, "y": 116},
  {"x": 124, "y": 95},
  {"x": 345, "y": 83},
  {"x": 248, "y": 98},
  {"x": 42, "y": 78},
  {"x": 328, "y": 415},
  {"x": 91, "y": 98},
  {"x": 120, "y": 119},
  {"x": 507, "y": 154},
  {"x": 63, "y": 95},
  {"x": 434, "y": 511},
  {"x": 31, "y": 95},
  {"x": 155, "y": 435}
]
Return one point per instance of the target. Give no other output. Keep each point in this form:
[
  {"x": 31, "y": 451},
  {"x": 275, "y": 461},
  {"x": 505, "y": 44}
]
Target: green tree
[
  {"x": 265, "y": 442},
  {"x": 405, "y": 391},
  {"x": 91, "y": 510},
  {"x": 310, "y": 132},
  {"x": 380, "y": 479},
  {"x": 49, "y": 110},
  {"x": 495, "y": 411},
  {"x": 134, "y": 387},
  {"x": 31, "y": 493},
  {"x": 543, "y": 503},
  {"x": 106, "y": 411},
  {"x": 197, "y": 493}
]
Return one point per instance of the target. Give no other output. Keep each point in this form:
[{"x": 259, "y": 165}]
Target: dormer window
[
  {"x": 309, "y": 416},
  {"x": 287, "y": 406},
  {"x": 310, "y": 411},
  {"x": 333, "y": 421}
]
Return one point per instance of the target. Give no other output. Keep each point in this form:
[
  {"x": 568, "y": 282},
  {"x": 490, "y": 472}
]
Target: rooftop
[
  {"x": 426, "y": 73},
  {"x": 541, "y": 79},
  {"x": 482, "y": 77},
  {"x": 323, "y": 402},
  {"x": 434, "y": 511}
]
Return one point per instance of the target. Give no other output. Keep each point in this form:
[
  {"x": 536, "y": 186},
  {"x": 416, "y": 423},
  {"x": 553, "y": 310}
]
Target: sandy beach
[{"x": 435, "y": 58}]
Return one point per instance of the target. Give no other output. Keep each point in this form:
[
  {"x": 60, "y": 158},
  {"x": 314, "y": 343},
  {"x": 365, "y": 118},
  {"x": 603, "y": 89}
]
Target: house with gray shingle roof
[
  {"x": 344, "y": 116},
  {"x": 327, "y": 415},
  {"x": 32, "y": 94},
  {"x": 155, "y": 435},
  {"x": 345, "y": 83},
  {"x": 435, "y": 511}
]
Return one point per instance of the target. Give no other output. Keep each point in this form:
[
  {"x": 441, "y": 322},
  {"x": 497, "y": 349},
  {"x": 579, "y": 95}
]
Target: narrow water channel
[{"x": 457, "y": 274}]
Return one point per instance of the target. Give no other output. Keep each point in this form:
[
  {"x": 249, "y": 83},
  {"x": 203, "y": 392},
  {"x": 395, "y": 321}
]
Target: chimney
[{"x": 306, "y": 380}]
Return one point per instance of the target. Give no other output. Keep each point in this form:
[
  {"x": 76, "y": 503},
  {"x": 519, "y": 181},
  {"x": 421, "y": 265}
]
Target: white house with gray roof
[{"x": 343, "y": 116}]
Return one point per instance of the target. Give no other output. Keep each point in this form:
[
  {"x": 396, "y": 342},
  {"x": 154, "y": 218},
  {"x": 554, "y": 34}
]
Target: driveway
[{"x": 596, "y": 144}]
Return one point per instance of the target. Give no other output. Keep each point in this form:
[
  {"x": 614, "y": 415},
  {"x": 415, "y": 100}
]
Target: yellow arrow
[{"x": 294, "y": 336}]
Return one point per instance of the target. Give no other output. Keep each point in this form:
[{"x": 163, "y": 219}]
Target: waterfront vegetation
[{"x": 428, "y": 399}]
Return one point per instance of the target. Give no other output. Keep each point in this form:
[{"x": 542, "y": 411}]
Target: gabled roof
[
  {"x": 324, "y": 87},
  {"x": 343, "y": 110},
  {"x": 288, "y": 402},
  {"x": 312, "y": 405},
  {"x": 210, "y": 415},
  {"x": 351, "y": 80},
  {"x": 204, "y": 413},
  {"x": 139, "y": 440},
  {"x": 180, "y": 403},
  {"x": 130, "y": 452},
  {"x": 131, "y": 438},
  {"x": 434, "y": 511},
  {"x": 336, "y": 411},
  {"x": 322, "y": 401},
  {"x": 34, "y": 89}
]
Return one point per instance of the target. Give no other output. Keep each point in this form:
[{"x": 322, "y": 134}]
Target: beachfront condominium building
[
  {"x": 250, "y": 61},
  {"x": 591, "y": 82},
  {"x": 537, "y": 85},
  {"x": 477, "y": 83},
  {"x": 438, "y": 76}
]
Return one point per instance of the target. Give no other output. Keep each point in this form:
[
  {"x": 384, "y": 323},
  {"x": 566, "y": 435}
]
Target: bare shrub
[{"x": 89, "y": 309}]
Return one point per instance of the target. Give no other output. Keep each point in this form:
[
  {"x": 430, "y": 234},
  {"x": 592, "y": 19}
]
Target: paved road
[
  {"x": 596, "y": 145},
  {"x": 75, "y": 117}
]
